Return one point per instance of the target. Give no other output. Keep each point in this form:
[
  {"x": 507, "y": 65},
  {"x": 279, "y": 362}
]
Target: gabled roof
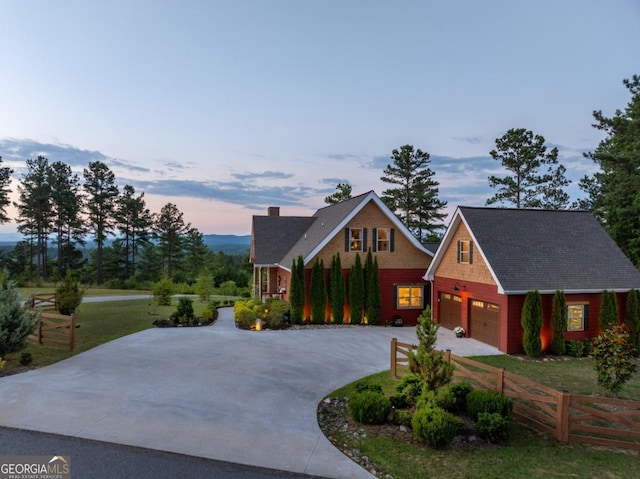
[
  {"x": 544, "y": 250},
  {"x": 280, "y": 239}
]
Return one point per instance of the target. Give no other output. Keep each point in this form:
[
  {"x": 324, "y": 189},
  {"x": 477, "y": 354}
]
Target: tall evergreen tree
[
  {"x": 558, "y": 323},
  {"x": 5, "y": 182},
  {"x": 613, "y": 189},
  {"x": 337, "y": 290},
  {"x": 35, "y": 213},
  {"x": 102, "y": 193},
  {"x": 197, "y": 253},
  {"x": 356, "y": 291},
  {"x": 367, "y": 271},
  {"x": 632, "y": 319},
  {"x": 296, "y": 291},
  {"x": 318, "y": 293},
  {"x": 532, "y": 321},
  {"x": 608, "y": 310},
  {"x": 534, "y": 178},
  {"x": 66, "y": 204},
  {"x": 134, "y": 221},
  {"x": 343, "y": 193},
  {"x": 374, "y": 298},
  {"x": 170, "y": 230},
  {"x": 414, "y": 199}
]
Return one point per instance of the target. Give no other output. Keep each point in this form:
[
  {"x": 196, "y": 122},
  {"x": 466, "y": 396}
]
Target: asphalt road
[{"x": 102, "y": 460}]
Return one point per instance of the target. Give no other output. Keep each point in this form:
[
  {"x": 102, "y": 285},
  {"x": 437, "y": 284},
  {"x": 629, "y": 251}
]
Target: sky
[{"x": 224, "y": 108}]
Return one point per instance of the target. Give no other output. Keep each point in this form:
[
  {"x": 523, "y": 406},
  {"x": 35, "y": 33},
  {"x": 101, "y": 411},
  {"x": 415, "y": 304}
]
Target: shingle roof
[
  {"x": 549, "y": 250},
  {"x": 274, "y": 236}
]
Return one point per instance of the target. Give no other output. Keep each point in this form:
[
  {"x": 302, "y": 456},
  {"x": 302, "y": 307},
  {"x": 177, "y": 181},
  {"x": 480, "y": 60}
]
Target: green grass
[
  {"x": 529, "y": 454},
  {"x": 26, "y": 293},
  {"x": 99, "y": 323}
]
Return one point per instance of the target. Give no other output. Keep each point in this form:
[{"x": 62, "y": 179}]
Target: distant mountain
[{"x": 228, "y": 244}]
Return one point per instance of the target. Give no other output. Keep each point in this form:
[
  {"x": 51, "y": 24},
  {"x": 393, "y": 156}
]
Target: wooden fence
[
  {"x": 44, "y": 300},
  {"x": 55, "y": 329},
  {"x": 589, "y": 419}
]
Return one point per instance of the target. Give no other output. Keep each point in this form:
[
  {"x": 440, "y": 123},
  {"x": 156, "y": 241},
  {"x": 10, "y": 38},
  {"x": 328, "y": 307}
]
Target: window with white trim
[
  {"x": 465, "y": 254},
  {"x": 355, "y": 239},
  {"x": 409, "y": 296},
  {"x": 577, "y": 315},
  {"x": 382, "y": 239}
]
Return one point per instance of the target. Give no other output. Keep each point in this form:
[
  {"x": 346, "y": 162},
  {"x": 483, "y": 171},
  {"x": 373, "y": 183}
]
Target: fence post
[
  {"x": 447, "y": 356},
  {"x": 40, "y": 330},
  {"x": 500, "y": 381},
  {"x": 72, "y": 332},
  {"x": 394, "y": 346},
  {"x": 562, "y": 416}
]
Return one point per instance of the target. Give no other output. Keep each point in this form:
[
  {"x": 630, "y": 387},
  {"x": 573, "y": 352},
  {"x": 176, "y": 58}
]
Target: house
[
  {"x": 349, "y": 228},
  {"x": 491, "y": 257}
]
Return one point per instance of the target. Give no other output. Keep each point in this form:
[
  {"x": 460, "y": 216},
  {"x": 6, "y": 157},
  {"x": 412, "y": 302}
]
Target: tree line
[
  {"x": 57, "y": 211},
  {"x": 533, "y": 178}
]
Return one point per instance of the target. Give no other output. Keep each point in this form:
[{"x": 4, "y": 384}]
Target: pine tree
[
  {"x": 356, "y": 291},
  {"x": 296, "y": 291},
  {"x": 532, "y": 324},
  {"x": 632, "y": 319},
  {"x": 426, "y": 362},
  {"x": 5, "y": 182},
  {"x": 558, "y": 323},
  {"x": 374, "y": 299},
  {"x": 343, "y": 193},
  {"x": 17, "y": 321},
  {"x": 337, "y": 290},
  {"x": 608, "y": 310},
  {"x": 318, "y": 293},
  {"x": 170, "y": 231}
]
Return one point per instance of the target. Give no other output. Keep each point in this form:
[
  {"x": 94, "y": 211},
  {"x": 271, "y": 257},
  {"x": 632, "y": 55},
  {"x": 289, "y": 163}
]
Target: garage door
[
  {"x": 450, "y": 310},
  {"x": 483, "y": 322}
]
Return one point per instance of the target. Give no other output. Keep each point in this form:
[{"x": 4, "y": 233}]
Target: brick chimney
[{"x": 273, "y": 211}]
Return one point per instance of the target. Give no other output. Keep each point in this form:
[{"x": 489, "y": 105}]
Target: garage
[
  {"x": 484, "y": 319},
  {"x": 450, "y": 310}
]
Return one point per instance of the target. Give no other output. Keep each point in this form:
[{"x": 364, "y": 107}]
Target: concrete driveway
[{"x": 214, "y": 392}]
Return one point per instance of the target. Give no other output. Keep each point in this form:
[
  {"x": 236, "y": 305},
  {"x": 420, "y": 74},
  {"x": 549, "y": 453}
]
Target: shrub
[
  {"x": 532, "y": 321},
  {"x": 362, "y": 386},
  {"x": 613, "y": 354},
  {"x": 204, "y": 285},
  {"x": 399, "y": 401},
  {"x": 16, "y": 321},
  {"x": 337, "y": 290},
  {"x": 410, "y": 386},
  {"x": 575, "y": 348},
  {"x": 402, "y": 418},
  {"x": 488, "y": 401},
  {"x": 69, "y": 295},
  {"x": 246, "y": 313},
  {"x": 163, "y": 290},
  {"x": 460, "y": 391},
  {"x": 275, "y": 310},
  {"x": 183, "y": 313},
  {"x": 434, "y": 426},
  {"x": 632, "y": 319},
  {"x": 369, "y": 407},
  {"x": 228, "y": 288},
  {"x": 297, "y": 291},
  {"x": 493, "y": 427},
  {"x": 26, "y": 359},
  {"x": 318, "y": 293},
  {"x": 608, "y": 310},
  {"x": 558, "y": 323},
  {"x": 356, "y": 291}
]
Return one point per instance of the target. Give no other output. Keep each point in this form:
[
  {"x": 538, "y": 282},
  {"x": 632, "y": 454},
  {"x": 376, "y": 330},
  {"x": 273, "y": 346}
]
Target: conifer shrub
[
  {"x": 434, "y": 426},
  {"x": 318, "y": 293},
  {"x": 632, "y": 320},
  {"x": 356, "y": 291},
  {"x": 558, "y": 323},
  {"x": 369, "y": 407},
  {"x": 17, "y": 321},
  {"x": 532, "y": 321},
  {"x": 69, "y": 295},
  {"x": 608, "y": 310},
  {"x": 163, "y": 290},
  {"x": 488, "y": 401},
  {"x": 183, "y": 314},
  {"x": 460, "y": 390},
  {"x": 410, "y": 386},
  {"x": 493, "y": 427}
]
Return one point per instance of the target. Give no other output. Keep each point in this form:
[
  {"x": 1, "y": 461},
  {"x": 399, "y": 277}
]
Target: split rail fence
[
  {"x": 597, "y": 420},
  {"x": 52, "y": 328}
]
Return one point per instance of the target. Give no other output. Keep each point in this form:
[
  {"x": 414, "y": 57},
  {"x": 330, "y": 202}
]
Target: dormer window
[{"x": 465, "y": 252}]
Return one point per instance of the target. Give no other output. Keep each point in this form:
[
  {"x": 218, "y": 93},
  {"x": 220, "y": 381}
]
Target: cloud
[
  {"x": 473, "y": 140},
  {"x": 272, "y": 175},
  {"x": 334, "y": 181}
]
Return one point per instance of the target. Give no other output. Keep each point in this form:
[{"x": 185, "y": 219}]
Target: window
[
  {"x": 355, "y": 239},
  {"x": 382, "y": 239},
  {"x": 410, "y": 297},
  {"x": 465, "y": 252},
  {"x": 577, "y": 315}
]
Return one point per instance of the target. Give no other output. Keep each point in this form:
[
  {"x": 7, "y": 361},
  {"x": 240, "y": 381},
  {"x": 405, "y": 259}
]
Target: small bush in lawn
[
  {"x": 460, "y": 391},
  {"x": 369, "y": 407},
  {"x": 575, "y": 348},
  {"x": 488, "y": 401},
  {"x": 69, "y": 295},
  {"x": 402, "y": 418},
  {"x": 435, "y": 427},
  {"x": 362, "y": 386},
  {"x": 184, "y": 312},
  {"x": 163, "y": 290},
  {"x": 246, "y": 313},
  {"x": 493, "y": 427},
  {"x": 26, "y": 359},
  {"x": 410, "y": 386},
  {"x": 613, "y": 354}
]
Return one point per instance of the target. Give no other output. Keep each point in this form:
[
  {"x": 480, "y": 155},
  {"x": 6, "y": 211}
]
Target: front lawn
[{"x": 529, "y": 454}]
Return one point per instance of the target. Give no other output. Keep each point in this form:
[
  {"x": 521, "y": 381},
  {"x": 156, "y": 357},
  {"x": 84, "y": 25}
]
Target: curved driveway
[{"x": 214, "y": 392}]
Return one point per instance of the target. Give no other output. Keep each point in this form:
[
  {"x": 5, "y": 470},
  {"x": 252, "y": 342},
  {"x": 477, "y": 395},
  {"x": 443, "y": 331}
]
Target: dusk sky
[{"x": 227, "y": 107}]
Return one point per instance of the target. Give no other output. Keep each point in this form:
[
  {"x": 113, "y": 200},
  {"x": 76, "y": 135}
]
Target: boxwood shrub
[
  {"x": 488, "y": 401},
  {"x": 369, "y": 407},
  {"x": 434, "y": 426}
]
